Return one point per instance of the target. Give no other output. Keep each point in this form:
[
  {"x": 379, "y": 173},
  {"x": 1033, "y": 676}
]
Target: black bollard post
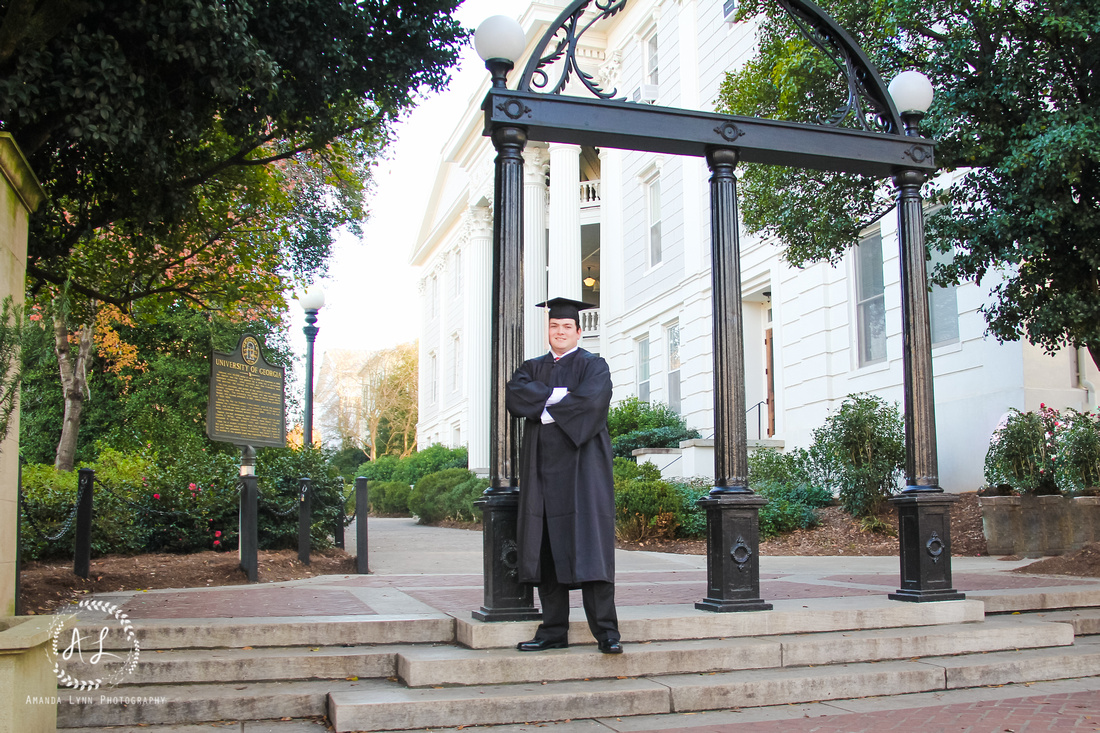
[
  {"x": 305, "y": 502},
  {"x": 362, "y": 508},
  {"x": 341, "y": 518},
  {"x": 82, "y": 557},
  {"x": 248, "y": 529}
]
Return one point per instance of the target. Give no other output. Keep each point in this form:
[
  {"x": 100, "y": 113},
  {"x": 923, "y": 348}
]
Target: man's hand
[{"x": 555, "y": 397}]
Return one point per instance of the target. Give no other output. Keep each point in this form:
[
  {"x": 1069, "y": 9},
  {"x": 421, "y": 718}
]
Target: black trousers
[{"x": 598, "y": 598}]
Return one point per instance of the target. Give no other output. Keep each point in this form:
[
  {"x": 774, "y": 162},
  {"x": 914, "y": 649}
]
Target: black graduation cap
[{"x": 565, "y": 308}]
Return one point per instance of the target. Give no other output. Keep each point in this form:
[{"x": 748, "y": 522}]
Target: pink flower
[
  {"x": 193, "y": 487},
  {"x": 218, "y": 533},
  {"x": 156, "y": 496},
  {"x": 217, "y": 542}
]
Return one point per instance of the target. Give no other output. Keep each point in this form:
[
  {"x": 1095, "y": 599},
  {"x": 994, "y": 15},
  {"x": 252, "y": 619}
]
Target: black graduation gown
[{"x": 565, "y": 471}]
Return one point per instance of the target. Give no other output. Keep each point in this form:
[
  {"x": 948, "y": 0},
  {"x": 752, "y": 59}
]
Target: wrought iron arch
[{"x": 868, "y": 104}]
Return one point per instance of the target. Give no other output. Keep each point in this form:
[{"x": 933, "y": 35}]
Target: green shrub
[
  {"x": 769, "y": 464},
  {"x": 646, "y": 509},
  {"x": 625, "y": 469},
  {"x": 460, "y": 500},
  {"x": 280, "y": 471},
  {"x": 414, "y": 466},
  {"x": 865, "y": 443},
  {"x": 389, "y": 498},
  {"x": 789, "y": 507},
  {"x": 693, "y": 520},
  {"x": 635, "y": 424},
  {"x": 429, "y": 498},
  {"x": 1077, "y": 437},
  {"x": 1045, "y": 452}
]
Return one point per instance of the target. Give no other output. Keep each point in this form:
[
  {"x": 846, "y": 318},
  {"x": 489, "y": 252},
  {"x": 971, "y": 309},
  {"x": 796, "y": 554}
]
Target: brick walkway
[{"x": 1065, "y": 712}]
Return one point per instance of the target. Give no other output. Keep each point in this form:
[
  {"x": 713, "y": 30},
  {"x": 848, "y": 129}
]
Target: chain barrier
[
  {"x": 269, "y": 505},
  {"x": 68, "y": 522}
]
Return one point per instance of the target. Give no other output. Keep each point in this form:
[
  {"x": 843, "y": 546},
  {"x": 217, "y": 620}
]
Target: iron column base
[
  {"x": 506, "y": 599},
  {"x": 733, "y": 552},
  {"x": 924, "y": 536}
]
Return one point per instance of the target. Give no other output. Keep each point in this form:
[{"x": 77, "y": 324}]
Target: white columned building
[
  {"x": 629, "y": 232},
  {"x": 535, "y": 162},
  {"x": 564, "y": 257}
]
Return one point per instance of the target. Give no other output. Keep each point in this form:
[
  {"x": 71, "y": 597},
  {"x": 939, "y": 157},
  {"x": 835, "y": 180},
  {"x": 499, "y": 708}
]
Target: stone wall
[{"x": 1033, "y": 526}]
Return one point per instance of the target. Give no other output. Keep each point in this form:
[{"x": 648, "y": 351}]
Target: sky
[{"x": 371, "y": 298}]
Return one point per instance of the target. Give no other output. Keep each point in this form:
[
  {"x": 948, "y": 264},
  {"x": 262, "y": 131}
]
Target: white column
[
  {"x": 612, "y": 284},
  {"x": 535, "y": 337},
  {"x": 477, "y": 334},
  {"x": 565, "y": 222}
]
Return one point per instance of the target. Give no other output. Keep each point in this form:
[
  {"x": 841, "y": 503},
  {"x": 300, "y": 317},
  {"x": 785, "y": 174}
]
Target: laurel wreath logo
[{"x": 126, "y": 667}]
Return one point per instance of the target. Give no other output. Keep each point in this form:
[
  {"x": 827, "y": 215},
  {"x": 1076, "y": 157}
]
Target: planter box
[{"x": 1034, "y": 526}]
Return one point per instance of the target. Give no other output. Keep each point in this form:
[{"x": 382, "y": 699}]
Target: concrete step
[
  {"x": 449, "y": 665},
  {"x": 675, "y": 621},
  {"x": 389, "y": 706},
  {"x": 249, "y": 664},
  {"x": 139, "y": 705},
  {"x": 1084, "y": 620},
  {"x": 213, "y": 633}
]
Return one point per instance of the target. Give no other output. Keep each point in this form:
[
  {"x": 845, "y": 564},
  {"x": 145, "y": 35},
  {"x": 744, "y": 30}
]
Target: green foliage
[
  {"x": 789, "y": 507},
  {"x": 664, "y": 437},
  {"x": 389, "y": 498},
  {"x": 158, "y": 402},
  {"x": 411, "y": 468},
  {"x": 347, "y": 461},
  {"x": 865, "y": 442},
  {"x": 447, "y": 494},
  {"x": 1045, "y": 452},
  {"x": 1012, "y": 111},
  {"x": 280, "y": 471},
  {"x": 428, "y": 498},
  {"x": 635, "y": 424},
  {"x": 152, "y": 124},
  {"x": 647, "y": 507},
  {"x": 633, "y": 414},
  {"x": 180, "y": 502}
]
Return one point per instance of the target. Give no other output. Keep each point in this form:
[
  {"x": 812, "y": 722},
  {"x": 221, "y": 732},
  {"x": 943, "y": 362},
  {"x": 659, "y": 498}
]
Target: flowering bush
[{"x": 1045, "y": 452}]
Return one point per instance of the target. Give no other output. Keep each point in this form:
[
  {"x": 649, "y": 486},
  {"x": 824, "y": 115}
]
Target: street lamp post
[
  {"x": 924, "y": 510},
  {"x": 312, "y": 300},
  {"x": 500, "y": 42}
]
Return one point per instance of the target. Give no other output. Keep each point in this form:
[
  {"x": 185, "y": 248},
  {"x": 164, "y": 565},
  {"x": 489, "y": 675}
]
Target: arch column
[
  {"x": 477, "y": 334},
  {"x": 535, "y": 336},
  {"x": 565, "y": 222}
]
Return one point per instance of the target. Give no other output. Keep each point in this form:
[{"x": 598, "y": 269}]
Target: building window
[
  {"x": 672, "y": 334},
  {"x": 870, "y": 300},
  {"x": 653, "y": 217},
  {"x": 433, "y": 295},
  {"x": 729, "y": 8},
  {"x": 456, "y": 363},
  {"x": 643, "y": 369},
  {"x": 943, "y": 304},
  {"x": 652, "y": 66},
  {"x": 456, "y": 436},
  {"x": 433, "y": 379},
  {"x": 456, "y": 273}
]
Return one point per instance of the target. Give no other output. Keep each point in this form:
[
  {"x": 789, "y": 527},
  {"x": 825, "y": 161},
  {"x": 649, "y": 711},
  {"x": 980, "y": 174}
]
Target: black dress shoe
[
  {"x": 540, "y": 645},
  {"x": 611, "y": 646}
]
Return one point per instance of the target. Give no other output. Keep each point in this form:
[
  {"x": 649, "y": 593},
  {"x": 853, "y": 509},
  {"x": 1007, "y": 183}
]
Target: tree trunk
[{"x": 74, "y": 382}]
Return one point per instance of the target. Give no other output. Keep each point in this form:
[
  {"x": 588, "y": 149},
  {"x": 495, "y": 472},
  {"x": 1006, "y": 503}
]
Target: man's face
[{"x": 564, "y": 334}]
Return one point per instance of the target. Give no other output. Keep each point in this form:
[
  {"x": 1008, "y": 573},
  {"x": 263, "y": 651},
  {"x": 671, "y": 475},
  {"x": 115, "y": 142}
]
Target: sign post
[{"x": 247, "y": 407}]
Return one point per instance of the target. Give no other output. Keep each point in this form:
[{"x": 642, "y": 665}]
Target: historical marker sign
[{"x": 247, "y": 404}]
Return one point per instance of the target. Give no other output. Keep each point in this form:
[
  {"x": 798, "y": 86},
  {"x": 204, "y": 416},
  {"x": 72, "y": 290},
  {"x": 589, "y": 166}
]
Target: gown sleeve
[
  {"x": 582, "y": 414},
  {"x": 525, "y": 396}
]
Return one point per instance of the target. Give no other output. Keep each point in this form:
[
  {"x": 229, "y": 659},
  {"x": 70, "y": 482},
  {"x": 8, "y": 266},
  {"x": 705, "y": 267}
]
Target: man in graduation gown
[{"x": 566, "y": 531}]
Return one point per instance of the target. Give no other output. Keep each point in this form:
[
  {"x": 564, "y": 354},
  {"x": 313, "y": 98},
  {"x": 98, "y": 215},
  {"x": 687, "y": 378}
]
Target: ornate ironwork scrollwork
[
  {"x": 509, "y": 558},
  {"x": 741, "y": 553},
  {"x": 868, "y": 101},
  {"x": 564, "y": 36},
  {"x": 935, "y": 547}
]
